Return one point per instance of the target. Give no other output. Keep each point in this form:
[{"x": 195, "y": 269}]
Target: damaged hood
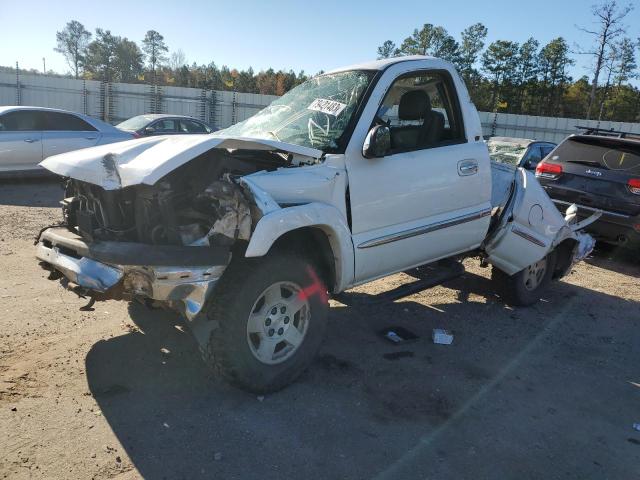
[{"x": 147, "y": 160}]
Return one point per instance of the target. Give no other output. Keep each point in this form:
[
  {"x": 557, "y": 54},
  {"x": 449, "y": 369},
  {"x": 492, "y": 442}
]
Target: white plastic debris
[
  {"x": 586, "y": 244},
  {"x": 636, "y": 426},
  {"x": 442, "y": 337},
  {"x": 394, "y": 337}
]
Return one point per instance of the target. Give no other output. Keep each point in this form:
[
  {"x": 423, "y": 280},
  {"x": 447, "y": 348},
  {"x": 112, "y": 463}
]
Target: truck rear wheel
[
  {"x": 525, "y": 287},
  {"x": 270, "y": 315}
]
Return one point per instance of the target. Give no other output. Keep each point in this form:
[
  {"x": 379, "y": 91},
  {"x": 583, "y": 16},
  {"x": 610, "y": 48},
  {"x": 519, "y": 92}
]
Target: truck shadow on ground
[
  {"x": 355, "y": 412},
  {"x": 617, "y": 259}
]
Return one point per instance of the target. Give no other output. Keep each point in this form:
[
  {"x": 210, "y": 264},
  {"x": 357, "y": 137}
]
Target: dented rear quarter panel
[{"x": 531, "y": 228}]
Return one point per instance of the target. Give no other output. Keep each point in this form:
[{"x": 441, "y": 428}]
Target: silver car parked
[
  {"x": 164, "y": 124},
  {"x": 30, "y": 134}
]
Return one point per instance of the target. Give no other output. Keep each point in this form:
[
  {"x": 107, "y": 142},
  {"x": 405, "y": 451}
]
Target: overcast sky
[{"x": 299, "y": 35}]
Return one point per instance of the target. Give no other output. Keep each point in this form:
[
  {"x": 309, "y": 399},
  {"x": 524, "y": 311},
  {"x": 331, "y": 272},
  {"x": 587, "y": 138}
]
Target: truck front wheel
[
  {"x": 525, "y": 287},
  {"x": 269, "y": 317}
]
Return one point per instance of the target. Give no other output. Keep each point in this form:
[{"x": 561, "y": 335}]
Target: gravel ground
[{"x": 550, "y": 391}]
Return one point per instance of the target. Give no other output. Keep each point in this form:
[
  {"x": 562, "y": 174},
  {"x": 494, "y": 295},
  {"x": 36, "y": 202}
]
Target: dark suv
[{"x": 598, "y": 170}]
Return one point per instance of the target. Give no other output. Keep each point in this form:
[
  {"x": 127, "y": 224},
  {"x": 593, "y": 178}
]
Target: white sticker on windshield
[{"x": 330, "y": 107}]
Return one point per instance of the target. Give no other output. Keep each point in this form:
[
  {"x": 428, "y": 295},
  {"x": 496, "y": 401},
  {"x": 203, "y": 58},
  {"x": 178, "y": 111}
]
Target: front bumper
[{"x": 92, "y": 269}]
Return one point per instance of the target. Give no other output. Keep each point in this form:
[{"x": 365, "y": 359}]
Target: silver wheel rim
[
  {"x": 534, "y": 274},
  {"x": 278, "y": 323}
]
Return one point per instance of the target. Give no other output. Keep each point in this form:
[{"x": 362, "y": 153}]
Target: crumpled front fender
[{"x": 327, "y": 218}]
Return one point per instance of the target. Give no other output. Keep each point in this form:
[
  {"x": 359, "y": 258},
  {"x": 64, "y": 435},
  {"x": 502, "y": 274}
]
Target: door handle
[
  {"x": 467, "y": 167},
  {"x": 30, "y": 140},
  {"x": 90, "y": 138}
]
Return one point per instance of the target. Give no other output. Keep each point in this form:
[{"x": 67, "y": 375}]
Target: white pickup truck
[{"x": 358, "y": 173}]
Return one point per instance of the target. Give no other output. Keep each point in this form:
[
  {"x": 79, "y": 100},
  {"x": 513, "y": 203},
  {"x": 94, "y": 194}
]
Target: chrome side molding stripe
[
  {"x": 394, "y": 237},
  {"x": 526, "y": 236}
]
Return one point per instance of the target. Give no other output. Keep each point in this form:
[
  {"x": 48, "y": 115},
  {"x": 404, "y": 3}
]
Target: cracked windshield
[{"x": 314, "y": 114}]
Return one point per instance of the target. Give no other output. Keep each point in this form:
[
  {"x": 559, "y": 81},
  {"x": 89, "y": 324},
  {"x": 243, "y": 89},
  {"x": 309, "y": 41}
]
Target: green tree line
[
  {"x": 533, "y": 79},
  {"x": 108, "y": 57},
  {"x": 504, "y": 76}
]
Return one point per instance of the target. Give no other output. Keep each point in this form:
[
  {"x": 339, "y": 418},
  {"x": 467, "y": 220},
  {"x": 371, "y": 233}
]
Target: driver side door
[{"x": 420, "y": 202}]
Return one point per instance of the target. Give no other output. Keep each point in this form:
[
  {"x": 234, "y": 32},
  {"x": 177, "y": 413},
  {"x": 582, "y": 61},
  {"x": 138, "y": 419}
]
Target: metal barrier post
[
  {"x": 213, "y": 109},
  {"x": 234, "y": 113},
  {"x": 18, "y": 87},
  {"x": 494, "y": 125},
  {"x": 85, "y": 107},
  {"x": 103, "y": 101},
  {"x": 202, "y": 104},
  {"x": 111, "y": 107}
]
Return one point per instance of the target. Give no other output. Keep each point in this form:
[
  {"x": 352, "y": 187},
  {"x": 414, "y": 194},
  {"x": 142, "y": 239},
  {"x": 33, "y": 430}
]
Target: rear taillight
[
  {"x": 548, "y": 170},
  {"x": 634, "y": 185}
]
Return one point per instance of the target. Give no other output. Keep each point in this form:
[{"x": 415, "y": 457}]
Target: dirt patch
[
  {"x": 544, "y": 392},
  {"x": 407, "y": 403}
]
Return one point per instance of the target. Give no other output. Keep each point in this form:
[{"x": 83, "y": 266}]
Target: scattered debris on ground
[
  {"x": 515, "y": 389},
  {"x": 442, "y": 336}
]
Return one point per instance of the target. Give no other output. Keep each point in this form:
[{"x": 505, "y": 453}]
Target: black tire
[
  {"x": 227, "y": 350},
  {"x": 514, "y": 288}
]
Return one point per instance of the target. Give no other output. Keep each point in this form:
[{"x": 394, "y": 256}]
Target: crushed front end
[
  {"x": 166, "y": 243},
  {"x": 180, "y": 278}
]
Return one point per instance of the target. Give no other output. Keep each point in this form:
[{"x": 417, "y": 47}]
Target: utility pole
[{"x": 44, "y": 66}]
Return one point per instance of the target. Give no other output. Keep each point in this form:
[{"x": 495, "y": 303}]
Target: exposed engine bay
[
  {"x": 197, "y": 204},
  {"x": 157, "y": 220}
]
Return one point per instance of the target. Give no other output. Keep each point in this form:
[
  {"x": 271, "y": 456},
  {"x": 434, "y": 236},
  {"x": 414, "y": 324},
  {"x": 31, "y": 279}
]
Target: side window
[
  {"x": 21, "y": 121},
  {"x": 189, "y": 126},
  {"x": 546, "y": 150},
  {"x": 532, "y": 157},
  {"x": 421, "y": 110},
  {"x": 59, "y": 121},
  {"x": 165, "y": 126}
]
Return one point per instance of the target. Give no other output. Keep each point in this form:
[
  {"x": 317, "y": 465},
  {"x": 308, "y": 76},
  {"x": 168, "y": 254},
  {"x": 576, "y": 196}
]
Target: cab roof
[{"x": 384, "y": 63}]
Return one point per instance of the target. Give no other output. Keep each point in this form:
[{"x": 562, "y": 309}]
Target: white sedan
[{"x": 30, "y": 134}]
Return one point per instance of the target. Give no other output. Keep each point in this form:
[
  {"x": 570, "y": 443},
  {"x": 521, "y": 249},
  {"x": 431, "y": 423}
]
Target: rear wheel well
[
  {"x": 313, "y": 244},
  {"x": 564, "y": 257}
]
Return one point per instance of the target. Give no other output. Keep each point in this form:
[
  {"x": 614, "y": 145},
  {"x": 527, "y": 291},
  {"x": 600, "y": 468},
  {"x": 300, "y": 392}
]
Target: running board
[{"x": 427, "y": 276}]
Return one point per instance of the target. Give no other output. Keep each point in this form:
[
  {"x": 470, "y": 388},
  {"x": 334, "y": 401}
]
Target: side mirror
[
  {"x": 378, "y": 142},
  {"x": 149, "y": 130}
]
